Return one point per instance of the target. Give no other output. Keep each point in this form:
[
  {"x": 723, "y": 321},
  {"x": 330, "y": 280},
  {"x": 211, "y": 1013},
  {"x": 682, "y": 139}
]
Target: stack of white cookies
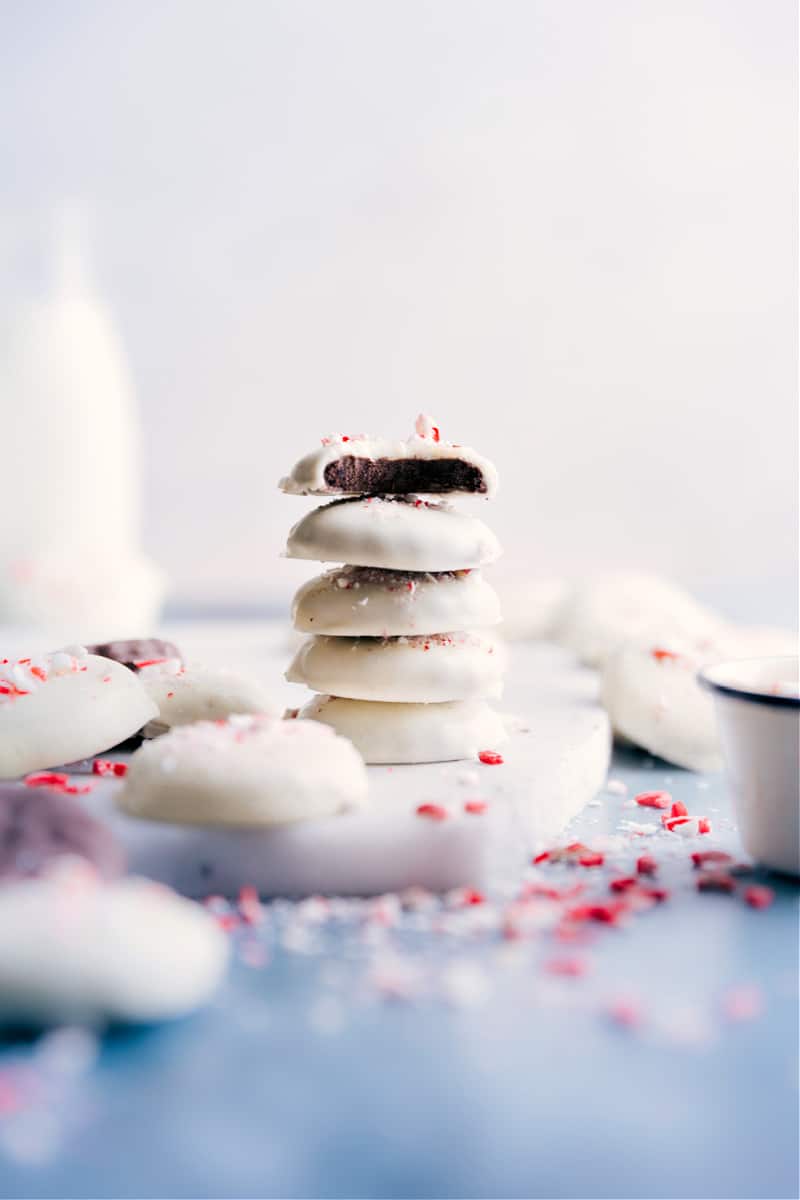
[{"x": 402, "y": 650}]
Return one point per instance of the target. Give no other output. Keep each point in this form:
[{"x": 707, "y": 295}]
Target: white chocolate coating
[
  {"x": 395, "y": 534},
  {"x": 655, "y": 701},
  {"x": 249, "y": 771},
  {"x": 410, "y": 733},
  {"x": 451, "y": 666},
  {"x": 362, "y": 601},
  {"x": 197, "y": 693},
  {"x": 653, "y": 698},
  {"x": 307, "y": 477},
  {"x": 610, "y": 609},
  {"x": 73, "y": 949},
  {"x": 62, "y": 707}
]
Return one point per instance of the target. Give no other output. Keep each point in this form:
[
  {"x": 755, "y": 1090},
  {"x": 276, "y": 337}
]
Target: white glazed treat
[
  {"x": 76, "y": 950},
  {"x": 651, "y": 694},
  {"x": 449, "y": 666},
  {"x": 364, "y": 601},
  {"x": 653, "y": 697},
  {"x": 425, "y": 447},
  {"x": 247, "y": 772},
  {"x": 196, "y": 693},
  {"x": 410, "y": 733},
  {"x": 58, "y": 708},
  {"x": 611, "y": 609},
  {"x": 400, "y": 535}
]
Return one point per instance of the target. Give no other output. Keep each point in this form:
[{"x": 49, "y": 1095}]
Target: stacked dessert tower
[{"x": 402, "y": 651}]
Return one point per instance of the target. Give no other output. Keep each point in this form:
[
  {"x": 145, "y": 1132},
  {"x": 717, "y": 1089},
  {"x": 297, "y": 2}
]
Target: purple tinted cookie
[{"x": 37, "y": 826}]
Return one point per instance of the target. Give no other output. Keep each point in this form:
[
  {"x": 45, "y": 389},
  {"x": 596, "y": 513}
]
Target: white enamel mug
[{"x": 758, "y": 712}]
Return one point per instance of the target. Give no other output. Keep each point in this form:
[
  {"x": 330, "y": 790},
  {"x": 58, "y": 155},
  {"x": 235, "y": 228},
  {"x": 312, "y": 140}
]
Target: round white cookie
[
  {"x": 653, "y": 698},
  {"x": 75, "y": 949},
  {"x": 424, "y": 669},
  {"x": 649, "y": 688},
  {"x": 58, "y": 708},
  {"x": 365, "y": 601},
  {"x": 610, "y": 609},
  {"x": 410, "y": 733},
  {"x": 401, "y": 535},
  {"x": 249, "y": 771},
  {"x": 197, "y": 693}
]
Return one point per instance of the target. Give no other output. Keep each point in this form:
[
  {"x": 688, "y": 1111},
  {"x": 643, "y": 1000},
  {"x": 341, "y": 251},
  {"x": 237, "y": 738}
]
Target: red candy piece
[
  {"x": 624, "y": 884},
  {"x": 661, "y": 655},
  {"x": 104, "y": 766},
  {"x": 52, "y": 779},
  {"x": 653, "y": 799},
  {"x": 434, "y": 812},
  {"x": 646, "y": 865},
  {"x": 490, "y": 758},
  {"x": 592, "y": 858},
  {"x": 759, "y": 896},
  {"x": 679, "y": 809},
  {"x": 710, "y": 858},
  {"x": 716, "y": 881},
  {"x": 475, "y": 806}
]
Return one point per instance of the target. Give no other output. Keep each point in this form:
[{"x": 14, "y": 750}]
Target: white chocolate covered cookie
[
  {"x": 196, "y": 693},
  {"x": 359, "y": 464},
  {"x": 401, "y": 535},
  {"x": 651, "y": 694},
  {"x": 249, "y": 771},
  {"x": 653, "y": 698},
  {"x": 365, "y": 601},
  {"x": 410, "y": 733},
  {"x": 76, "y": 950},
  {"x": 610, "y": 609},
  {"x": 443, "y": 666},
  {"x": 61, "y": 707}
]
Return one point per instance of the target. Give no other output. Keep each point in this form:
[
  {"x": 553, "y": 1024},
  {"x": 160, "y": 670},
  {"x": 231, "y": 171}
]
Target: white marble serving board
[{"x": 555, "y": 761}]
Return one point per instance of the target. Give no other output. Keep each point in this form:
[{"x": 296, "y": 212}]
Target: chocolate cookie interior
[{"x": 400, "y": 476}]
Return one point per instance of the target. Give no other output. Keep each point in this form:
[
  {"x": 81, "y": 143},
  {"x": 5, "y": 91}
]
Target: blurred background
[{"x": 564, "y": 227}]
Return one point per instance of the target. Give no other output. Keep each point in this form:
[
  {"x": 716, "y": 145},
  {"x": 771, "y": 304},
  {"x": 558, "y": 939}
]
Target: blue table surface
[{"x": 302, "y": 1080}]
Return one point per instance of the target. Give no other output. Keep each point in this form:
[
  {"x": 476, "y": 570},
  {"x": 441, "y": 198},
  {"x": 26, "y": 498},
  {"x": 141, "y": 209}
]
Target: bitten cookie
[
  {"x": 362, "y": 465},
  {"x": 249, "y": 771}
]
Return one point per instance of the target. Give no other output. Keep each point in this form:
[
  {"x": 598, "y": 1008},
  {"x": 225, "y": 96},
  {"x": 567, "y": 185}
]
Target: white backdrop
[{"x": 565, "y": 227}]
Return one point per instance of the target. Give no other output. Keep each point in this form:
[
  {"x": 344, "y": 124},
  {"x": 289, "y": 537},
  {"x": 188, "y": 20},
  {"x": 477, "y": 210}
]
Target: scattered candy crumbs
[
  {"x": 554, "y": 908},
  {"x": 104, "y": 766},
  {"x": 57, "y": 782}
]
